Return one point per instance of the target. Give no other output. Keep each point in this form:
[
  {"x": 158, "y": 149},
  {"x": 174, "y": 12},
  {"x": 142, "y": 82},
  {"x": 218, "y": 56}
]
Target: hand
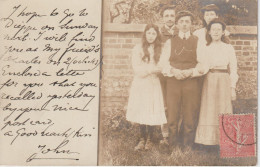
[
  {"x": 157, "y": 69},
  {"x": 165, "y": 71},
  {"x": 187, "y": 73},
  {"x": 233, "y": 94},
  {"x": 227, "y": 33},
  {"x": 153, "y": 69},
  {"x": 177, "y": 73},
  {"x": 200, "y": 68}
]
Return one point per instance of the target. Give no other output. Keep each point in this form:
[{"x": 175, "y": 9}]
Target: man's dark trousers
[{"x": 183, "y": 98}]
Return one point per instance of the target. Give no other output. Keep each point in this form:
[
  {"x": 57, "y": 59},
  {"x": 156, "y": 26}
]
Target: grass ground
[{"x": 118, "y": 139}]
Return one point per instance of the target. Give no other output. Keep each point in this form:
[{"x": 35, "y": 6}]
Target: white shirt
[
  {"x": 164, "y": 62},
  {"x": 182, "y": 34}
]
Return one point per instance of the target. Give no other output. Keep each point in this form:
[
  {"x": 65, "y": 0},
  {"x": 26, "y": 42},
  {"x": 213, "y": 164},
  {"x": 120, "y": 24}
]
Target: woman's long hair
[
  {"x": 208, "y": 37},
  {"x": 157, "y": 44}
]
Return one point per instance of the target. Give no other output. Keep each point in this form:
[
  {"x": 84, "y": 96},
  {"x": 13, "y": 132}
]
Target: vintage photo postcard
[
  {"x": 179, "y": 83},
  {"x": 128, "y": 82}
]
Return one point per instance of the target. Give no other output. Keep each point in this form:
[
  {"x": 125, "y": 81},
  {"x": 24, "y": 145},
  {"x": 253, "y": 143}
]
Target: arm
[
  {"x": 233, "y": 67},
  {"x": 164, "y": 63},
  {"x": 140, "y": 68},
  {"x": 202, "y": 66},
  {"x": 233, "y": 71}
]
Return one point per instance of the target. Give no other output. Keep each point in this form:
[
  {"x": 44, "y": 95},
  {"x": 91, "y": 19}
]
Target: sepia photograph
[{"x": 178, "y": 83}]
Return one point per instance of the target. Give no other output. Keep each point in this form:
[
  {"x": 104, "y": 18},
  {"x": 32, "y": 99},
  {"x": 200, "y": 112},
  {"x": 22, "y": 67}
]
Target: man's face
[
  {"x": 209, "y": 16},
  {"x": 184, "y": 24},
  {"x": 169, "y": 17}
]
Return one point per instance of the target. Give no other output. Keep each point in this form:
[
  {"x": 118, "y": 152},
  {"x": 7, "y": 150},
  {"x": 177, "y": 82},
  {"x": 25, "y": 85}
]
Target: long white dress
[
  {"x": 216, "y": 92},
  {"x": 145, "y": 104}
]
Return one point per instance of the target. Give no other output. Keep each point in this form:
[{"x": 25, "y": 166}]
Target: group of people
[{"x": 183, "y": 80}]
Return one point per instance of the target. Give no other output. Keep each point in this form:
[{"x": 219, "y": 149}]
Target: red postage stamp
[{"x": 237, "y": 135}]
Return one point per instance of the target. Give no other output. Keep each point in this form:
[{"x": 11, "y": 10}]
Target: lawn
[{"x": 118, "y": 138}]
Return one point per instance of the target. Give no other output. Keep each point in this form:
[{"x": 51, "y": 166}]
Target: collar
[
  {"x": 186, "y": 35},
  {"x": 169, "y": 30}
]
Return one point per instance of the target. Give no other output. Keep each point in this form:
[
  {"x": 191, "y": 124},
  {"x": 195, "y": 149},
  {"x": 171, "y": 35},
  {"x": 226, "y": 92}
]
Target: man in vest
[{"x": 179, "y": 63}]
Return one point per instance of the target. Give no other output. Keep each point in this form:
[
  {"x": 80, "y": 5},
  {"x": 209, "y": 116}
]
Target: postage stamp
[{"x": 237, "y": 135}]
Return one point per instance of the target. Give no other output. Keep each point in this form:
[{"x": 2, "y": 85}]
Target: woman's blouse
[{"x": 220, "y": 56}]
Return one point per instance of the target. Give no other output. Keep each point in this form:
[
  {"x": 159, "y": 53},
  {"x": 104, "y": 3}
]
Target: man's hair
[
  {"x": 183, "y": 13},
  {"x": 167, "y": 7}
]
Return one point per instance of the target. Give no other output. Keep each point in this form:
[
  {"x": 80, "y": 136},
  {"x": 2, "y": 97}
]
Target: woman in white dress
[
  {"x": 145, "y": 104},
  {"x": 219, "y": 83}
]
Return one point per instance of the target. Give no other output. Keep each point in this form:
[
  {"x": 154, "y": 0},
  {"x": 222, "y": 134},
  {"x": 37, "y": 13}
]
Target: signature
[{"x": 59, "y": 150}]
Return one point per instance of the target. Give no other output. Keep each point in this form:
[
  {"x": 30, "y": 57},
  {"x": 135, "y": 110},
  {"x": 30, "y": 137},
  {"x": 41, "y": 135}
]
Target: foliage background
[{"x": 234, "y": 12}]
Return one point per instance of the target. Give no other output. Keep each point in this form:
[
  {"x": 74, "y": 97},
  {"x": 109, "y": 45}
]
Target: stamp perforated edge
[{"x": 254, "y": 130}]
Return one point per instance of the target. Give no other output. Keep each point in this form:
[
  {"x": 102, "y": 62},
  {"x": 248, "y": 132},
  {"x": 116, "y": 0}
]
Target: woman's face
[
  {"x": 151, "y": 35},
  {"x": 216, "y": 31},
  {"x": 209, "y": 16}
]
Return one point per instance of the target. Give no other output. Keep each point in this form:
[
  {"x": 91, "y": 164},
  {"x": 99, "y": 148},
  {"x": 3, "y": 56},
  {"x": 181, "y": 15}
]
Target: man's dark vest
[{"x": 183, "y": 52}]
